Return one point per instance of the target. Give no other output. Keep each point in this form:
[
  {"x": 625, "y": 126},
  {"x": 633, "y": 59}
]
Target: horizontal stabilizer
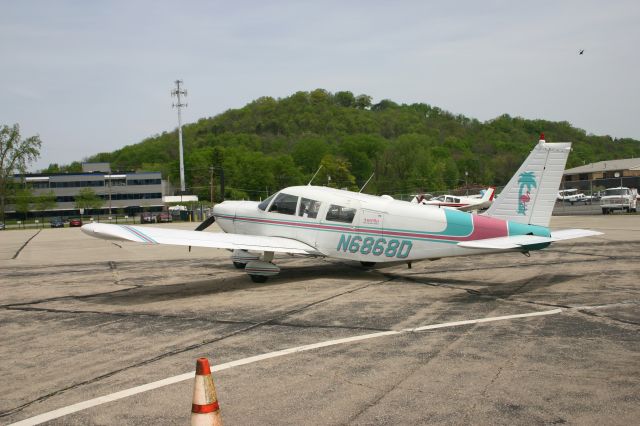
[
  {"x": 179, "y": 237},
  {"x": 569, "y": 234},
  {"x": 506, "y": 243},
  {"x": 522, "y": 241}
]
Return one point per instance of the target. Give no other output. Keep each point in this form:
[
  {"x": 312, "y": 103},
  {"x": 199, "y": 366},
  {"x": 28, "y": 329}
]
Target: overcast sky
[{"x": 93, "y": 76}]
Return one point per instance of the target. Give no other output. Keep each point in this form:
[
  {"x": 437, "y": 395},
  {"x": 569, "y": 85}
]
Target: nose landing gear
[{"x": 259, "y": 268}]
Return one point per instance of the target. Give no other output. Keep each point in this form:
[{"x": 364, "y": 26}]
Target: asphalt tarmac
[{"x": 82, "y": 318}]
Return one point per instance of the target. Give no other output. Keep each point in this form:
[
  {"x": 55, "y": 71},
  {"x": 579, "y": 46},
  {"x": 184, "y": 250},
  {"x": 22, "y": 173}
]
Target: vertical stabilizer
[
  {"x": 488, "y": 194},
  {"x": 531, "y": 193}
]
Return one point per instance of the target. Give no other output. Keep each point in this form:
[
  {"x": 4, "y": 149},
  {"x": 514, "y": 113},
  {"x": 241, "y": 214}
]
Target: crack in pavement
[
  {"x": 183, "y": 350},
  {"x": 523, "y": 265},
  {"x": 199, "y": 319},
  {"x": 398, "y": 384},
  {"x": 15, "y": 256},
  {"x": 59, "y": 298},
  {"x": 582, "y": 310},
  {"x": 596, "y": 315}
]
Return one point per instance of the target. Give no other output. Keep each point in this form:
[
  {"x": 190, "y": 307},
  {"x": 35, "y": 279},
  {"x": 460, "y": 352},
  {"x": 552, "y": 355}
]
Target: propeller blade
[
  {"x": 207, "y": 223},
  {"x": 204, "y": 225}
]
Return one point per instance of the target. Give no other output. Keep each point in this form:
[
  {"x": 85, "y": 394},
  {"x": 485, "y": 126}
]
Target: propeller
[
  {"x": 207, "y": 223},
  {"x": 204, "y": 225}
]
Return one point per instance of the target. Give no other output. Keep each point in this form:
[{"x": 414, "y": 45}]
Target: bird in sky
[{"x": 581, "y": 51}]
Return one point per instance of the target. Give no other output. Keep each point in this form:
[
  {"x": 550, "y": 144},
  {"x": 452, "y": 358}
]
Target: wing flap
[{"x": 151, "y": 235}]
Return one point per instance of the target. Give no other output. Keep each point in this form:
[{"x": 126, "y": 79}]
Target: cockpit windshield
[
  {"x": 284, "y": 204},
  {"x": 263, "y": 205}
]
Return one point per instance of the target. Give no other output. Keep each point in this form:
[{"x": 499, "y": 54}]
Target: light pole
[{"x": 466, "y": 184}]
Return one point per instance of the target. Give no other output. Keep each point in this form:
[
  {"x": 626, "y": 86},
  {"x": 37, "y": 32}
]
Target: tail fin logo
[{"x": 527, "y": 181}]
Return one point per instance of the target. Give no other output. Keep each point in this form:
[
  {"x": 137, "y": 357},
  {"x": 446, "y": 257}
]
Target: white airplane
[
  {"x": 327, "y": 222},
  {"x": 473, "y": 202}
]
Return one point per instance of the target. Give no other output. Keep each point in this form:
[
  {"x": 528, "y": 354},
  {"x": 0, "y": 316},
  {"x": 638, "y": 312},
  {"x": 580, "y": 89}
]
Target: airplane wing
[
  {"x": 522, "y": 241},
  {"x": 150, "y": 235}
]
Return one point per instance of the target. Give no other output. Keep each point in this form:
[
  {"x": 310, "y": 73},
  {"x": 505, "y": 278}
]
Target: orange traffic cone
[{"x": 205, "y": 410}]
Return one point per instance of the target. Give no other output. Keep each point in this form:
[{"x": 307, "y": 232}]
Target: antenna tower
[{"x": 179, "y": 92}]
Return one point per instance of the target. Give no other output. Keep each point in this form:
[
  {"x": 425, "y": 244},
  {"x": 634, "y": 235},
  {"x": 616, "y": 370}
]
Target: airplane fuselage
[{"x": 365, "y": 228}]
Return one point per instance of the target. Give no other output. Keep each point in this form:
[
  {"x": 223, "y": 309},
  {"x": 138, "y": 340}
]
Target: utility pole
[
  {"x": 211, "y": 183},
  {"x": 178, "y": 92}
]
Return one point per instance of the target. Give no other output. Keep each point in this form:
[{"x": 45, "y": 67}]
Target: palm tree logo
[{"x": 527, "y": 181}]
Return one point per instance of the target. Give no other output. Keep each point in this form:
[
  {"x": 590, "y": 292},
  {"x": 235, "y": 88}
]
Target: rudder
[{"x": 531, "y": 193}]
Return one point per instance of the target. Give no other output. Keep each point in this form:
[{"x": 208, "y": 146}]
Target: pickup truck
[{"x": 620, "y": 198}]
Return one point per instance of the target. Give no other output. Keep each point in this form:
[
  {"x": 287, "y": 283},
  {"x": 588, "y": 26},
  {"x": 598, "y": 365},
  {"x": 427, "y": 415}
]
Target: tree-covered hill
[{"x": 271, "y": 143}]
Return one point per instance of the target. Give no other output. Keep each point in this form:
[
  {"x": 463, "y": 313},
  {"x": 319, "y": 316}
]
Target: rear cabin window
[
  {"x": 263, "y": 205},
  {"x": 284, "y": 204},
  {"x": 340, "y": 214},
  {"x": 309, "y": 208}
]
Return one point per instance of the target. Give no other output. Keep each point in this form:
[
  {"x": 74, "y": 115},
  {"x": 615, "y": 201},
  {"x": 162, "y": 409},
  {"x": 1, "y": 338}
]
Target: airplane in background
[
  {"x": 374, "y": 230},
  {"x": 465, "y": 204}
]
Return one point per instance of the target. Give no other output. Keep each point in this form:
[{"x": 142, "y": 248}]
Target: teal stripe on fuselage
[
  {"x": 516, "y": 228},
  {"x": 459, "y": 224}
]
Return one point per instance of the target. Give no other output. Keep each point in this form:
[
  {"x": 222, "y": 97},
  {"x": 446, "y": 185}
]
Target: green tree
[
  {"x": 308, "y": 152},
  {"x": 345, "y": 99},
  {"x": 15, "y": 155},
  {"x": 88, "y": 199},
  {"x": 45, "y": 201},
  {"x": 336, "y": 173},
  {"x": 23, "y": 200},
  {"x": 363, "y": 101}
]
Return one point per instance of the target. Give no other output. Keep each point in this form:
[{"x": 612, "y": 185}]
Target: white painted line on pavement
[
  {"x": 476, "y": 321},
  {"x": 41, "y": 418}
]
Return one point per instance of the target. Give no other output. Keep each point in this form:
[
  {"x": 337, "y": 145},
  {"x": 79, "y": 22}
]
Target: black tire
[
  {"x": 604, "y": 211},
  {"x": 239, "y": 265},
  {"x": 368, "y": 264},
  {"x": 258, "y": 278}
]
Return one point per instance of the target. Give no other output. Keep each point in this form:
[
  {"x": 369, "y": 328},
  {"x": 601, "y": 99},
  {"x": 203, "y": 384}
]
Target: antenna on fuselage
[
  {"x": 365, "y": 184},
  {"x": 314, "y": 175}
]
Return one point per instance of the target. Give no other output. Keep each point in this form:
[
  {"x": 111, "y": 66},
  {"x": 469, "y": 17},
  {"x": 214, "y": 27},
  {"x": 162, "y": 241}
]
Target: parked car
[
  {"x": 147, "y": 217},
  {"x": 75, "y": 222},
  {"x": 163, "y": 217},
  {"x": 2, "y": 226},
  {"x": 57, "y": 222}
]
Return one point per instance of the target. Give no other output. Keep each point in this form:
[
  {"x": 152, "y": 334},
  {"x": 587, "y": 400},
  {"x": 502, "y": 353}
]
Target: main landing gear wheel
[
  {"x": 258, "y": 278},
  {"x": 239, "y": 265},
  {"x": 368, "y": 264}
]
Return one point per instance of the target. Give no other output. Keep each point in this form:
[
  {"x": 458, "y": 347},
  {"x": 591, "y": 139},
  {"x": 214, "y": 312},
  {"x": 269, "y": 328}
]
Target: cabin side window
[
  {"x": 264, "y": 204},
  {"x": 284, "y": 204},
  {"x": 340, "y": 214},
  {"x": 308, "y": 208}
]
